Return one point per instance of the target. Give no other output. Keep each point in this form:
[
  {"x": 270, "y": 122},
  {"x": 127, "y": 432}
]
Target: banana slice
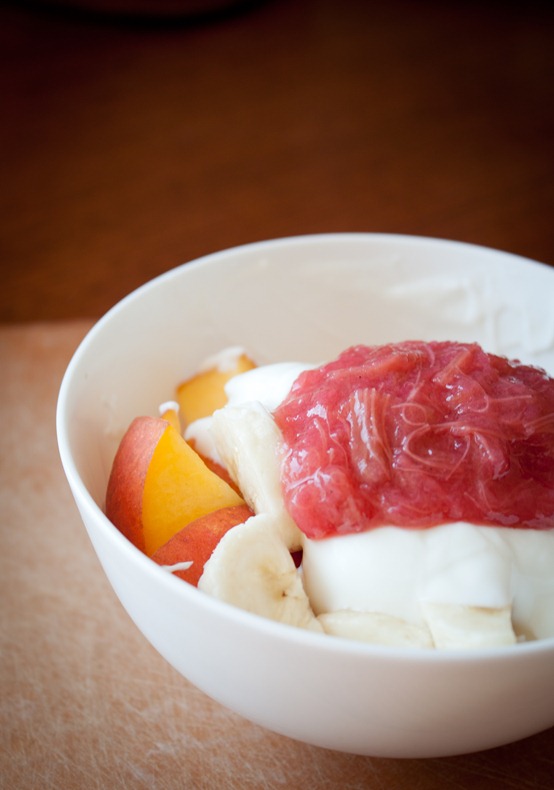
[
  {"x": 457, "y": 626},
  {"x": 375, "y": 628},
  {"x": 247, "y": 440},
  {"x": 251, "y": 567}
]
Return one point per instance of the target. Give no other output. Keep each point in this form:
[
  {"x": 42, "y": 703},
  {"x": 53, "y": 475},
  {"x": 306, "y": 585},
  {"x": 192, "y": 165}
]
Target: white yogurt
[{"x": 395, "y": 571}]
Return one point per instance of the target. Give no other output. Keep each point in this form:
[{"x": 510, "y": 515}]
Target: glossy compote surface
[{"x": 416, "y": 434}]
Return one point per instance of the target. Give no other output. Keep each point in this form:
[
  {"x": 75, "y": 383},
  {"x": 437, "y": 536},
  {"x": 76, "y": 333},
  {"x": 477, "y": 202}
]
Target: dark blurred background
[{"x": 133, "y": 141}]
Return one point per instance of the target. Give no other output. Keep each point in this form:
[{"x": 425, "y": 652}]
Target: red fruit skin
[
  {"x": 196, "y": 542},
  {"x": 128, "y": 473}
]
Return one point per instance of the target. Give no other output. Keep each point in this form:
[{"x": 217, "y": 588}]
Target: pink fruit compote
[{"x": 417, "y": 434}]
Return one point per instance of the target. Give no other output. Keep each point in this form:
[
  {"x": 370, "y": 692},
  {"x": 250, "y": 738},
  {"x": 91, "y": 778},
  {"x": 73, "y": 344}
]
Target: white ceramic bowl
[{"x": 307, "y": 298}]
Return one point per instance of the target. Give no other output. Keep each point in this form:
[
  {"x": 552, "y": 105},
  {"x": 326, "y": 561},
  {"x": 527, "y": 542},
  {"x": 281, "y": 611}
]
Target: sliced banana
[
  {"x": 252, "y": 568},
  {"x": 247, "y": 440},
  {"x": 375, "y": 628},
  {"x": 456, "y": 626}
]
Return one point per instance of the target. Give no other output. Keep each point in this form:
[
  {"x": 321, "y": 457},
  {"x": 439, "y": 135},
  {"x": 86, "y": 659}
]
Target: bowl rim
[{"x": 248, "y": 620}]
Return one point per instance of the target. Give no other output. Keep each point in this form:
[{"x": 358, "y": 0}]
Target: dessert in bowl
[{"x": 307, "y": 299}]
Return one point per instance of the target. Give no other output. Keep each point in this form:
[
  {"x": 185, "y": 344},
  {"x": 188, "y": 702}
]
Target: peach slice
[
  {"x": 203, "y": 393},
  {"x": 215, "y": 467},
  {"x": 158, "y": 485},
  {"x": 196, "y": 542},
  {"x": 170, "y": 411}
]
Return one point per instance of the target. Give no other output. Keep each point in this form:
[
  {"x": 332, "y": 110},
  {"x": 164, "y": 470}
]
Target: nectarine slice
[
  {"x": 170, "y": 411},
  {"x": 196, "y": 542},
  {"x": 158, "y": 485},
  {"x": 215, "y": 467},
  {"x": 200, "y": 395}
]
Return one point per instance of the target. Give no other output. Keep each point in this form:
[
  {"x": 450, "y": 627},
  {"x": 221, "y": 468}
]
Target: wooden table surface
[{"x": 130, "y": 146}]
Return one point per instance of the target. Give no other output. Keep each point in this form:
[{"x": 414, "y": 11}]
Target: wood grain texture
[
  {"x": 85, "y": 701},
  {"x": 130, "y": 147}
]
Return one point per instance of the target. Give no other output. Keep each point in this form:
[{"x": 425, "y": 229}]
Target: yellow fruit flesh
[
  {"x": 172, "y": 417},
  {"x": 202, "y": 394},
  {"x": 178, "y": 489}
]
